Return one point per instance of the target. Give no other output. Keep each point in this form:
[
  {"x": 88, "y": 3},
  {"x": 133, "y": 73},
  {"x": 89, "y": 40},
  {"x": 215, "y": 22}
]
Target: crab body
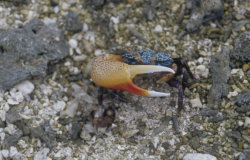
[{"x": 148, "y": 57}]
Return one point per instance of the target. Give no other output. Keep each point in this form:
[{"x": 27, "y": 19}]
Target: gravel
[{"x": 47, "y": 96}]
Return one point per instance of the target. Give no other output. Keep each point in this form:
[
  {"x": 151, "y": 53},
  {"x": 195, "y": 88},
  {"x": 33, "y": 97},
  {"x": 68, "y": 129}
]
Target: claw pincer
[{"x": 110, "y": 71}]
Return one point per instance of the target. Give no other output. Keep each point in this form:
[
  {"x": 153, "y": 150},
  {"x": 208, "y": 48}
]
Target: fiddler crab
[{"x": 116, "y": 71}]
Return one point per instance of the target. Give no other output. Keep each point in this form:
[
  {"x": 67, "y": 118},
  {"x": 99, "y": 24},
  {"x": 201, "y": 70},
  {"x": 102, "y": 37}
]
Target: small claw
[{"x": 110, "y": 72}]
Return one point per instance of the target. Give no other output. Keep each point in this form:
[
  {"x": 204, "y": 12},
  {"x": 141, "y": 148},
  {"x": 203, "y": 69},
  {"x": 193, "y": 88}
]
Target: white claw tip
[{"x": 158, "y": 94}]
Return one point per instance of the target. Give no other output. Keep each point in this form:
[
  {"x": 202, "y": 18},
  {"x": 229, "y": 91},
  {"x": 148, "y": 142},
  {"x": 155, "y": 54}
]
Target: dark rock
[
  {"x": 195, "y": 142},
  {"x": 18, "y": 2},
  {"x": 116, "y": 1},
  {"x": 23, "y": 125},
  {"x": 235, "y": 134},
  {"x": 26, "y": 52},
  {"x": 105, "y": 24},
  {"x": 95, "y": 4},
  {"x": 76, "y": 130},
  {"x": 175, "y": 123},
  {"x": 54, "y": 3},
  {"x": 12, "y": 116},
  {"x": 73, "y": 22},
  {"x": 216, "y": 119},
  {"x": 220, "y": 72},
  {"x": 151, "y": 148},
  {"x": 44, "y": 132},
  {"x": 208, "y": 112},
  {"x": 242, "y": 48},
  {"x": 165, "y": 145},
  {"x": 243, "y": 98},
  {"x": 203, "y": 11},
  {"x": 243, "y": 109},
  {"x": 149, "y": 12},
  {"x": 13, "y": 139},
  {"x": 2, "y": 124}
]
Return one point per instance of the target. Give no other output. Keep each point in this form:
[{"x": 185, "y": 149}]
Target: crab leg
[{"x": 110, "y": 72}]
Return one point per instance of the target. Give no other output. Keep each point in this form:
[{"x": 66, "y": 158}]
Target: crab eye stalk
[{"x": 110, "y": 72}]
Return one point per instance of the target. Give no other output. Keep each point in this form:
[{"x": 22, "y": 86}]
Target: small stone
[
  {"x": 95, "y": 4},
  {"x": 71, "y": 108},
  {"x": 74, "y": 70},
  {"x": 247, "y": 122},
  {"x": 227, "y": 105},
  {"x": 216, "y": 119},
  {"x": 198, "y": 156},
  {"x": 85, "y": 135},
  {"x": 158, "y": 29},
  {"x": 98, "y": 52},
  {"x": 243, "y": 98},
  {"x": 5, "y": 153},
  {"x": 242, "y": 48},
  {"x": 59, "y": 106},
  {"x": 42, "y": 154},
  {"x": 13, "y": 139},
  {"x": 149, "y": 12},
  {"x": 88, "y": 47},
  {"x": 15, "y": 97},
  {"x": 245, "y": 67},
  {"x": 73, "y": 22},
  {"x": 13, "y": 151},
  {"x": 209, "y": 112},
  {"x": 76, "y": 130},
  {"x": 202, "y": 70},
  {"x": 26, "y": 87},
  {"x": 73, "y": 43},
  {"x": 196, "y": 102},
  {"x": 80, "y": 94},
  {"x": 65, "y": 6},
  {"x": 13, "y": 116},
  {"x": 79, "y": 58}
]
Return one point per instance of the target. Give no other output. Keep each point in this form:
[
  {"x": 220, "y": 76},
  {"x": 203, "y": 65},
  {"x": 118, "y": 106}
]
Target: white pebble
[
  {"x": 5, "y": 153},
  {"x": 73, "y": 43},
  {"x": 59, "y": 106},
  {"x": 15, "y": 97},
  {"x": 196, "y": 102},
  {"x": 199, "y": 156},
  {"x": 115, "y": 20},
  {"x": 2, "y": 115},
  {"x": 71, "y": 109},
  {"x": 158, "y": 29},
  {"x": 65, "y": 6},
  {"x": 200, "y": 60},
  {"x": 85, "y": 27},
  {"x": 247, "y": 122},
  {"x": 79, "y": 58},
  {"x": 240, "y": 123},
  {"x": 99, "y": 52},
  {"x": 67, "y": 63},
  {"x": 74, "y": 70},
  {"x": 234, "y": 93},
  {"x": 56, "y": 9},
  {"x": 26, "y": 87},
  {"x": 42, "y": 154},
  {"x": 202, "y": 70},
  {"x": 13, "y": 151}
]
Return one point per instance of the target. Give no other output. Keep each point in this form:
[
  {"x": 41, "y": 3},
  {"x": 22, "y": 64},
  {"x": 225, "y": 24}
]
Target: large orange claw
[{"x": 109, "y": 71}]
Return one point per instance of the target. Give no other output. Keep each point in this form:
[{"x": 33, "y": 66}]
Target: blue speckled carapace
[{"x": 148, "y": 57}]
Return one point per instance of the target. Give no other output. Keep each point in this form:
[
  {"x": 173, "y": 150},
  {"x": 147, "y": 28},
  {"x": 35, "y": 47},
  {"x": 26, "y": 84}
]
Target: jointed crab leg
[{"x": 110, "y": 72}]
